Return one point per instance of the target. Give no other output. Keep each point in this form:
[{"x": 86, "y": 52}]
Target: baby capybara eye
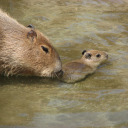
[
  {"x": 98, "y": 55},
  {"x": 88, "y": 56},
  {"x": 44, "y": 49}
]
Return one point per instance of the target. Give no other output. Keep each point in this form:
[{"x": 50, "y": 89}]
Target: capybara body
[
  {"x": 78, "y": 69},
  {"x": 25, "y": 51}
]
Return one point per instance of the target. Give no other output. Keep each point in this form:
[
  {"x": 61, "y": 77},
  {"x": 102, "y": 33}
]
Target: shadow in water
[{"x": 20, "y": 80}]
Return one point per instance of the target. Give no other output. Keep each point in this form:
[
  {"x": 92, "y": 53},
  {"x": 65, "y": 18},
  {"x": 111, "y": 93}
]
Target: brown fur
[
  {"x": 78, "y": 69},
  {"x": 21, "y": 54}
]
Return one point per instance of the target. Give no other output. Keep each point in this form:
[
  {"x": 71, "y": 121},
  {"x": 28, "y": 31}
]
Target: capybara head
[
  {"x": 36, "y": 56},
  {"x": 94, "y": 57},
  {"x": 43, "y": 58}
]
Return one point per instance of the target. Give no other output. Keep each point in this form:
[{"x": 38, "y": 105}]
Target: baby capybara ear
[
  {"x": 31, "y": 35},
  {"x": 83, "y": 52}
]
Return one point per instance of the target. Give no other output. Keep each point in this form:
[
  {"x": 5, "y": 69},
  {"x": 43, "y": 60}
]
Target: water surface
[{"x": 99, "y": 101}]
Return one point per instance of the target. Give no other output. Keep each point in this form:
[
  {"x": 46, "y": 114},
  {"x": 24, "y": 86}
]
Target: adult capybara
[{"x": 26, "y": 51}]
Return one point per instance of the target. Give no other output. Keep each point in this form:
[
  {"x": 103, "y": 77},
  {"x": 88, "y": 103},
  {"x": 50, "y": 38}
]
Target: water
[{"x": 100, "y": 101}]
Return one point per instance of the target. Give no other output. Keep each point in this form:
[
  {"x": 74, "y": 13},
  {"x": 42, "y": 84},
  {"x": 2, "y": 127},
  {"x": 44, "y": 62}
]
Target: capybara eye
[
  {"x": 98, "y": 55},
  {"x": 44, "y": 49},
  {"x": 88, "y": 56},
  {"x": 83, "y": 52}
]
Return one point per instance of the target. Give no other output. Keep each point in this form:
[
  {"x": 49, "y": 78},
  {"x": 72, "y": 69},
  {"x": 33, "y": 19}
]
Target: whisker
[{"x": 56, "y": 76}]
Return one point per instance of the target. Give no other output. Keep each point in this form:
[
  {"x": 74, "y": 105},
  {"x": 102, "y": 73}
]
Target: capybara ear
[
  {"x": 83, "y": 52},
  {"x": 31, "y": 35},
  {"x": 31, "y": 26}
]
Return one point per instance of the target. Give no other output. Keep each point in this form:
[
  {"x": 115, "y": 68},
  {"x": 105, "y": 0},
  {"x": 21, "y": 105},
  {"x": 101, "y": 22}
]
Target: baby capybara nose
[{"x": 59, "y": 73}]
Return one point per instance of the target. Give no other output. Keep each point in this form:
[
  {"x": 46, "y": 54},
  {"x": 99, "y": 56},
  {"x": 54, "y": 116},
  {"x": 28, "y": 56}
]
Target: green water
[{"x": 100, "y": 101}]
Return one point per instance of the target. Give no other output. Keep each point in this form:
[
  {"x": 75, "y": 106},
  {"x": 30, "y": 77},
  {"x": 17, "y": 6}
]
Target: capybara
[
  {"x": 78, "y": 69},
  {"x": 26, "y": 51}
]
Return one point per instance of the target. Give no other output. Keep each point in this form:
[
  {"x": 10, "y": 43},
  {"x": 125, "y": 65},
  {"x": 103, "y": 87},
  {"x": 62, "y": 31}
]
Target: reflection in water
[{"x": 72, "y": 25}]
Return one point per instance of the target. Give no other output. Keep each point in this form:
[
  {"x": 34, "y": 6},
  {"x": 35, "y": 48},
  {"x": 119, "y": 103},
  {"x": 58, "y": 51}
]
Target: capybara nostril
[{"x": 59, "y": 73}]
